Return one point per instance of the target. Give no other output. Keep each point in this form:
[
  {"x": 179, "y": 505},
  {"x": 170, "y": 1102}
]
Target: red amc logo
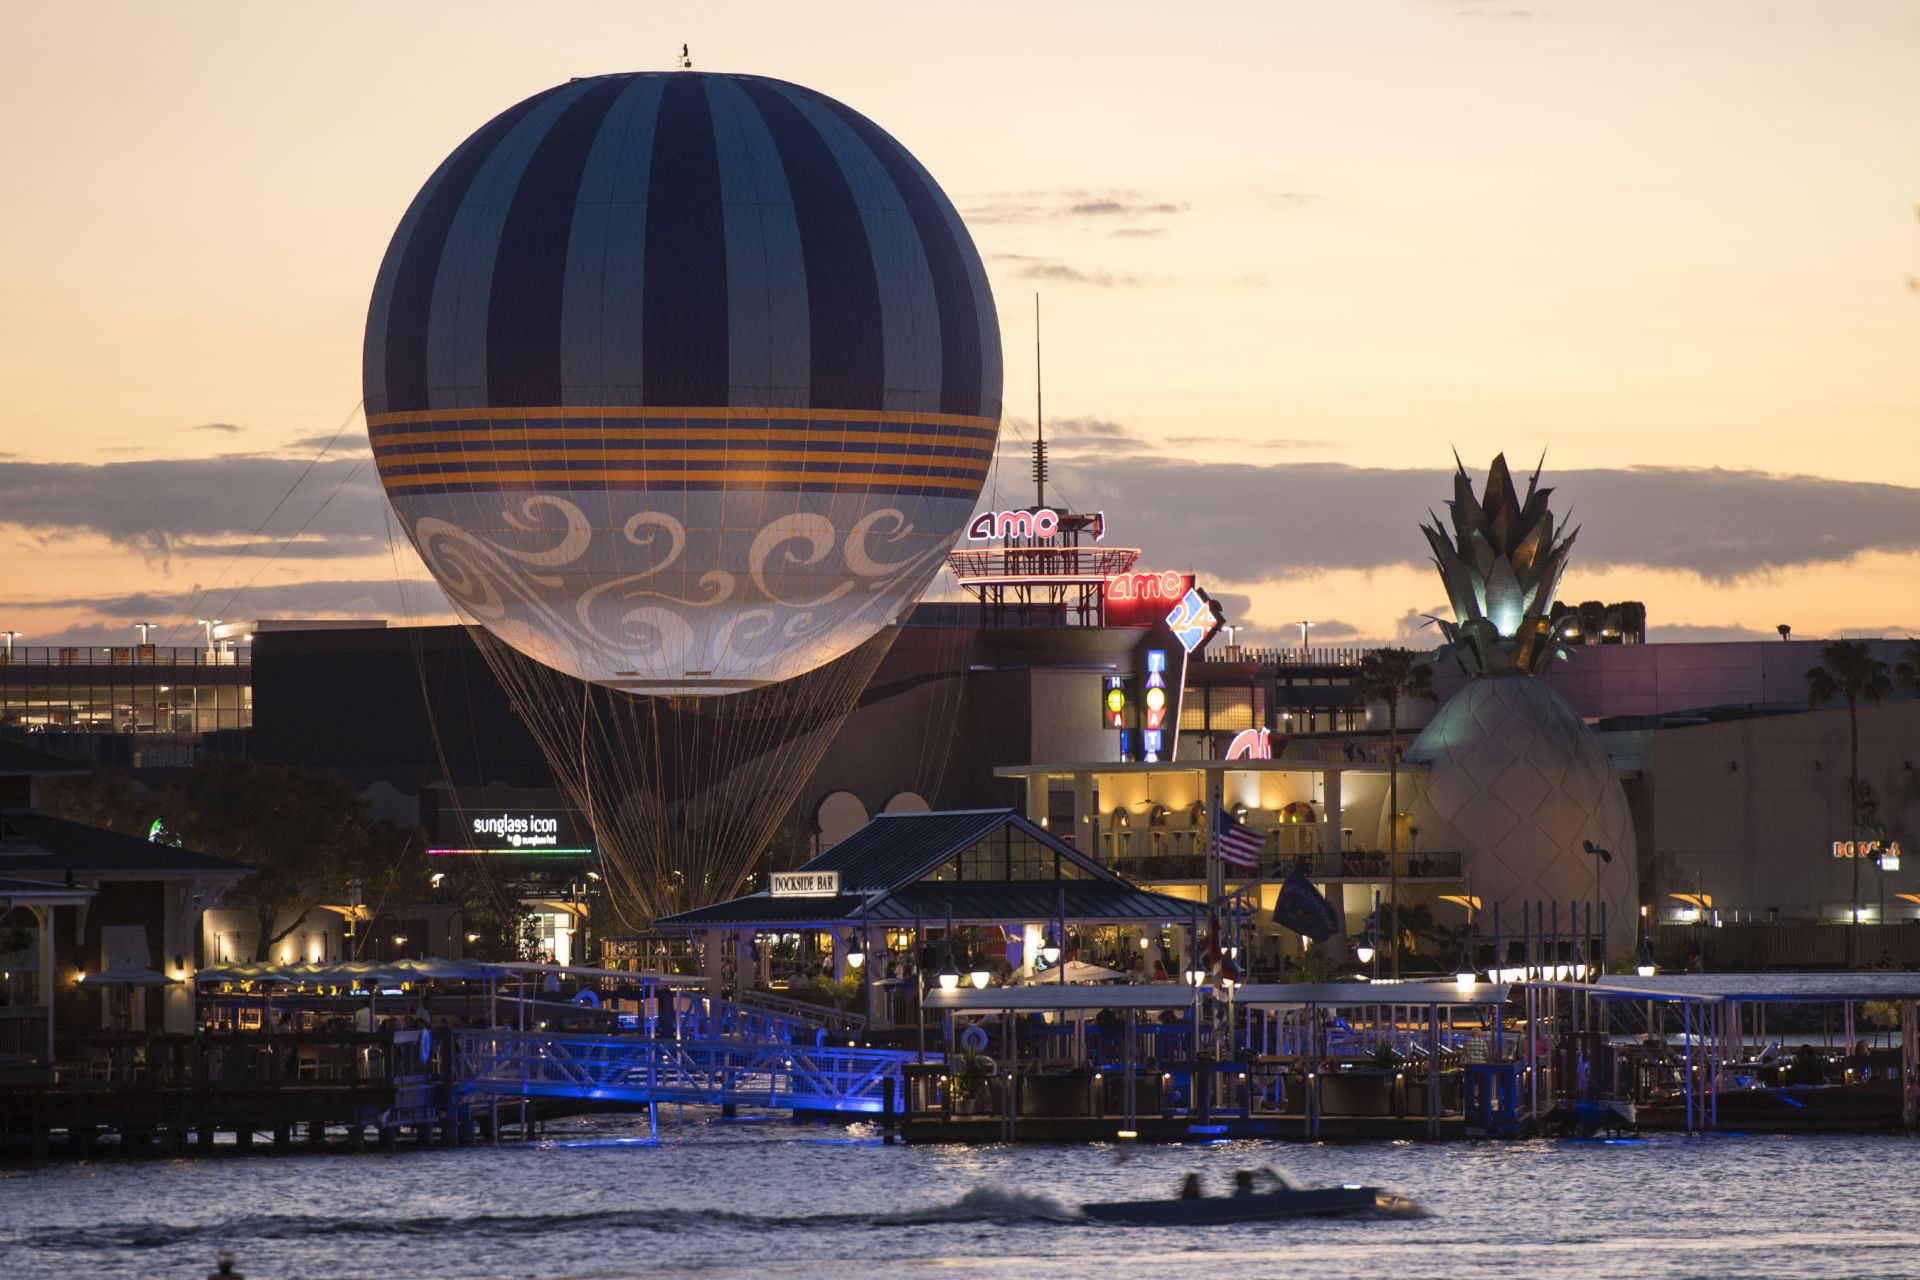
[
  {"x": 1142, "y": 599},
  {"x": 1043, "y": 523}
]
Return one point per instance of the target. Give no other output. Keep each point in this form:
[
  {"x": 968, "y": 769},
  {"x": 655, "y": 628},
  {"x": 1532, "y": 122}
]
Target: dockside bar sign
[{"x": 805, "y": 884}]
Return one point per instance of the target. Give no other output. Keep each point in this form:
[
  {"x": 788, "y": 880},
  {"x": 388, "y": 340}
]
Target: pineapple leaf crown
[{"x": 1501, "y": 565}]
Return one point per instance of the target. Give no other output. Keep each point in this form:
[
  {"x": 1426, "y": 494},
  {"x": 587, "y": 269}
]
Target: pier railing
[
  {"x": 797, "y": 1013},
  {"x": 642, "y": 1070}
]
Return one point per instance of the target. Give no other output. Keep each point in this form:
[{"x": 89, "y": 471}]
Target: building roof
[
  {"x": 15, "y": 892},
  {"x": 17, "y": 759},
  {"x": 881, "y": 868},
  {"x": 1044, "y": 995},
  {"x": 985, "y": 902},
  {"x": 1783, "y": 988},
  {"x": 764, "y": 908},
  {"x": 37, "y": 844},
  {"x": 895, "y": 849},
  {"x": 1086, "y": 900}
]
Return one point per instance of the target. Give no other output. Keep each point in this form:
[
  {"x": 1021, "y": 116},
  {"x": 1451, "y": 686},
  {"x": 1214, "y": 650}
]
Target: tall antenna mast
[{"x": 1039, "y": 416}]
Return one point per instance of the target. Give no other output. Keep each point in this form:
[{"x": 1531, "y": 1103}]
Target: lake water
[{"x": 770, "y": 1198}]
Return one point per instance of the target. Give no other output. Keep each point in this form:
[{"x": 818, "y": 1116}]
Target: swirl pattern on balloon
[{"x": 557, "y": 578}]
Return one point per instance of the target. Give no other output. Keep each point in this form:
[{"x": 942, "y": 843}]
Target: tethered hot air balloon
[{"x": 682, "y": 384}]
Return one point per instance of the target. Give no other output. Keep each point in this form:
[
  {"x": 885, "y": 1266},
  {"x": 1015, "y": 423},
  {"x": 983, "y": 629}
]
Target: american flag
[{"x": 1237, "y": 844}]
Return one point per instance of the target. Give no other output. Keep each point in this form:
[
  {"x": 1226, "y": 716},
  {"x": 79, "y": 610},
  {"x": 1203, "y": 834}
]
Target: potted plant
[{"x": 971, "y": 1072}]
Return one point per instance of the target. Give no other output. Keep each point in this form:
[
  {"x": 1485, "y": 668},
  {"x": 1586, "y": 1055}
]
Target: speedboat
[{"x": 1273, "y": 1201}]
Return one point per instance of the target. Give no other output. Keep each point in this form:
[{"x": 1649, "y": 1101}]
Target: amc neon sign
[
  {"x": 1043, "y": 523},
  {"x": 1157, "y": 588}
]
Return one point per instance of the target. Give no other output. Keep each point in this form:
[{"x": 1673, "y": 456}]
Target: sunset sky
[{"x": 1292, "y": 255}]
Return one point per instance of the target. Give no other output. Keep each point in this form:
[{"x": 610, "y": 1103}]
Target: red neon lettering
[
  {"x": 1043, "y": 523},
  {"x": 1162, "y": 587},
  {"x": 1251, "y": 744}
]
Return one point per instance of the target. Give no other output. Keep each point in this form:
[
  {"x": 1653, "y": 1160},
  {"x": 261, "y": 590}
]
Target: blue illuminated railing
[{"x": 641, "y": 1069}]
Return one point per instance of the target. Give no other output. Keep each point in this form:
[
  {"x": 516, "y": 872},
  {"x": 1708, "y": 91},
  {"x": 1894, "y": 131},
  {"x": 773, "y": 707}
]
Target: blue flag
[{"x": 1301, "y": 908}]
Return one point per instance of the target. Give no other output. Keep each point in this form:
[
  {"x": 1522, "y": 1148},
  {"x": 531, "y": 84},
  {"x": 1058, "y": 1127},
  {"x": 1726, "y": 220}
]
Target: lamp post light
[
  {"x": 1304, "y": 624},
  {"x": 1368, "y": 952},
  {"x": 209, "y": 624},
  {"x": 10, "y": 637},
  {"x": 1886, "y": 858},
  {"x": 143, "y": 628},
  {"x": 1464, "y": 976},
  {"x": 1599, "y": 855}
]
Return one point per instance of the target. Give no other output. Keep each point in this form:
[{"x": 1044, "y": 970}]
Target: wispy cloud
[
  {"x": 1109, "y": 206},
  {"x": 108, "y": 619},
  {"x": 1084, "y": 435},
  {"x": 1030, "y": 267},
  {"x": 225, "y": 428},
  {"x": 1068, "y": 205},
  {"x": 351, "y": 440},
  {"x": 1721, "y": 525},
  {"x": 197, "y": 506}
]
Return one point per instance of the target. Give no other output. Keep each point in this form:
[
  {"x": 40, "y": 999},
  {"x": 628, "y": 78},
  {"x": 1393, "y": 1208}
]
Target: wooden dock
[{"x": 176, "y": 1094}]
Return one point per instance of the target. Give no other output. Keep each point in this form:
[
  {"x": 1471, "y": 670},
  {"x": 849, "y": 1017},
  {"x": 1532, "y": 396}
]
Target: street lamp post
[
  {"x": 1304, "y": 624},
  {"x": 1884, "y": 862},
  {"x": 1368, "y": 952},
  {"x": 209, "y": 624},
  {"x": 1599, "y": 856},
  {"x": 10, "y": 637}
]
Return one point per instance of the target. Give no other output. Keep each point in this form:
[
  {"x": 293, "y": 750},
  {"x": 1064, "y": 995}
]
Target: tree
[
  {"x": 1392, "y": 676},
  {"x": 103, "y": 798},
  {"x": 1848, "y": 672},
  {"x": 307, "y": 836},
  {"x": 1907, "y": 672}
]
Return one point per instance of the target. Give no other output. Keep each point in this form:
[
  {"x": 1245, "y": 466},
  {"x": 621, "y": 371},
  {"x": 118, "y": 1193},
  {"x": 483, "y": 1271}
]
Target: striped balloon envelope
[{"x": 682, "y": 383}]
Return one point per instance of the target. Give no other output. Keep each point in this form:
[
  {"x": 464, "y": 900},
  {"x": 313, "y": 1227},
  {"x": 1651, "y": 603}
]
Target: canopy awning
[
  {"x": 1777, "y": 988},
  {"x": 1077, "y": 971},
  {"x": 1044, "y": 996},
  {"x": 128, "y": 977},
  {"x": 385, "y": 972},
  {"x": 933, "y": 901}
]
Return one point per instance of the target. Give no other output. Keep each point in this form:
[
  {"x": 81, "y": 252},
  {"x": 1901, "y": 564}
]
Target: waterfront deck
[{"x": 173, "y": 1093}]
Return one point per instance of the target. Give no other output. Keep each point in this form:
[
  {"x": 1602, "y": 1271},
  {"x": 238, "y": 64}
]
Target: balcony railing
[
  {"x": 1155, "y": 868},
  {"x": 125, "y": 655},
  {"x": 1373, "y": 866},
  {"x": 23, "y": 1032}
]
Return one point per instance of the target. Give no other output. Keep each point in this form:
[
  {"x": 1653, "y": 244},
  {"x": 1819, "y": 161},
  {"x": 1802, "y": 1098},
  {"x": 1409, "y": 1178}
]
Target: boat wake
[
  {"x": 995, "y": 1203},
  {"x": 1389, "y": 1205},
  {"x": 982, "y": 1204}
]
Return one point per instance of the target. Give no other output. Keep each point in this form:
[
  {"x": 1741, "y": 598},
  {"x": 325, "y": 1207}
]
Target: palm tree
[
  {"x": 1848, "y": 672},
  {"x": 1907, "y": 672},
  {"x": 1391, "y": 676}
]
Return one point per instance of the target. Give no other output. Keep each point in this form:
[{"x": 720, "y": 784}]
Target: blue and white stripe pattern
[
  {"x": 682, "y": 382},
  {"x": 682, "y": 239}
]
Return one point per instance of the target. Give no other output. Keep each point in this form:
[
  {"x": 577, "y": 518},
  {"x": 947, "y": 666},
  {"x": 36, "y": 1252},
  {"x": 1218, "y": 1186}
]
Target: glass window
[{"x": 1230, "y": 707}]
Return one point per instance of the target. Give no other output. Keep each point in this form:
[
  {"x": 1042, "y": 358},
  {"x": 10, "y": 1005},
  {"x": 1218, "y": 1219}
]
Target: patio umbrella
[{"x": 1080, "y": 971}]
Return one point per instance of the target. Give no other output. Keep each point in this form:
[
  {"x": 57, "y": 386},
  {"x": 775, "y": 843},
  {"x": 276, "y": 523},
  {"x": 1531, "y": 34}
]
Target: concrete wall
[
  {"x": 1752, "y": 807},
  {"x": 1663, "y": 679}
]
